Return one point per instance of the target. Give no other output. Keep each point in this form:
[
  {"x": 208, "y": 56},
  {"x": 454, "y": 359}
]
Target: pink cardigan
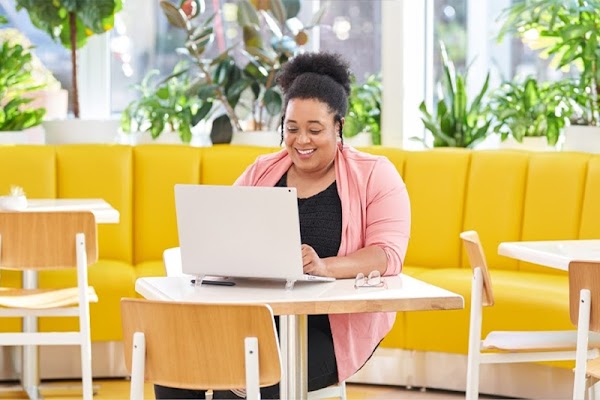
[{"x": 375, "y": 211}]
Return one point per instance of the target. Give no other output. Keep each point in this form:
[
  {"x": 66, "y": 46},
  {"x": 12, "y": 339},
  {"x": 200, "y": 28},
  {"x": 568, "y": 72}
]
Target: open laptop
[{"x": 240, "y": 232}]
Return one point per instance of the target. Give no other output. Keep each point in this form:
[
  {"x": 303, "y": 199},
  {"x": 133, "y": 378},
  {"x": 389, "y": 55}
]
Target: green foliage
[
  {"x": 242, "y": 78},
  {"x": 15, "y": 72},
  {"x": 530, "y": 109},
  {"x": 52, "y": 16},
  {"x": 570, "y": 33},
  {"x": 165, "y": 105},
  {"x": 456, "y": 122},
  {"x": 364, "y": 111},
  {"x": 71, "y": 22}
]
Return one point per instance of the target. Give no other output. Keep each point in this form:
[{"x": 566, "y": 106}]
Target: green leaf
[
  {"x": 247, "y": 15},
  {"x": 238, "y": 86},
  {"x": 292, "y": 8},
  {"x": 252, "y": 37},
  {"x": 273, "y": 101},
  {"x": 174, "y": 15},
  {"x": 280, "y": 11},
  {"x": 201, "y": 113},
  {"x": 530, "y": 97}
]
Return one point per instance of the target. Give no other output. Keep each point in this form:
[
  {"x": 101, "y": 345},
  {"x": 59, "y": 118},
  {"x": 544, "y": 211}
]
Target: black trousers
[{"x": 322, "y": 367}]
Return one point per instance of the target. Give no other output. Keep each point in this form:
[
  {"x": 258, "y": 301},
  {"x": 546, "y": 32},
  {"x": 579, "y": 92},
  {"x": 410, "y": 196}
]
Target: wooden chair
[
  {"x": 37, "y": 241},
  {"x": 172, "y": 261},
  {"x": 584, "y": 300},
  {"x": 508, "y": 346},
  {"x": 200, "y": 346}
]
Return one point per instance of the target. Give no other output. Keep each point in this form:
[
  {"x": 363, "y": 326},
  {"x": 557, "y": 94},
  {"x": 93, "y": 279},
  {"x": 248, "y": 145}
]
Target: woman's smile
[{"x": 305, "y": 153}]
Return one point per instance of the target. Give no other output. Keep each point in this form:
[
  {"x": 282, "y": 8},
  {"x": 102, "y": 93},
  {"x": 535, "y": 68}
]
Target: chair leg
[
  {"x": 583, "y": 326},
  {"x": 138, "y": 361},
  {"x": 86, "y": 369},
  {"x": 593, "y": 388},
  {"x": 252, "y": 369},
  {"x": 343, "y": 390},
  {"x": 84, "y": 318},
  {"x": 473, "y": 359}
]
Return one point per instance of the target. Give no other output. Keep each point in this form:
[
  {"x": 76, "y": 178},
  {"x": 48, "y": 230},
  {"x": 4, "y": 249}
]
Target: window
[{"x": 349, "y": 27}]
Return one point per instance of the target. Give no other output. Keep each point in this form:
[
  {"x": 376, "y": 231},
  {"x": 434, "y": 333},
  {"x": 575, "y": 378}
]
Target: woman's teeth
[{"x": 305, "y": 152}]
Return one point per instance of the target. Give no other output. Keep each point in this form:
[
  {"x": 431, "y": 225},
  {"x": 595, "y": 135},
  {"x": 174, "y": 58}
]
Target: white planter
[
  {"x": 137, "y": 138},
  {"x": 582, "y": 138},
  {"x": 79, "y": 130},
  {"x": 529, "y": 143},
  {"x": 539, "y": 143},
  {"x": 35, "y": 135},
  {"x": 257, "y": 138},
  {"x": 362, "y": 139}
]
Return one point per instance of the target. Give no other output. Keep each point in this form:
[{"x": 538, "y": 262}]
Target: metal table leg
[
  {"x": 30, "y": 370},
  {"x": 293, "y": 332}
]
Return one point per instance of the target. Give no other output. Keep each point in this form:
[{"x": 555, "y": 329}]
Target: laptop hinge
[{"x": 289, "y": 284}]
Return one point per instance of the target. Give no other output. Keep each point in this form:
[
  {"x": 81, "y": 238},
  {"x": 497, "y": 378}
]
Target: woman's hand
[{"x": 313, "y": 264}]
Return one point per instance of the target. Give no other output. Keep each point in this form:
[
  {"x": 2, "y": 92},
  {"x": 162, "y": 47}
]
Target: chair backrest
[
  {"x": 172, "y": 261},
  {"x": 201, "y": 346},
  {"x": 585, "y": 275},
  {"x": 477, "y": 259},
  {"x": 45, "y": 240}
]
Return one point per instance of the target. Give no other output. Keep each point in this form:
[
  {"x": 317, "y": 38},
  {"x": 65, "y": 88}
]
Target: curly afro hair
[{"x": 321, "y": 76}]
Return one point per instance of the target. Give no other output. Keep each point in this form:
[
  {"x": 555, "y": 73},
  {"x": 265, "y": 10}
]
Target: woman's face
[{"x": 310, "y": 134}]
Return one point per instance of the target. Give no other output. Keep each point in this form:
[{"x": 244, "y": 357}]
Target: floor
[{"x": 118, "y": 389}]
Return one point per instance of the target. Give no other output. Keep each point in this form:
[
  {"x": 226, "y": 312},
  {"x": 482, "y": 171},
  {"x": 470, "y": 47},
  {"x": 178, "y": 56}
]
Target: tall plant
[
  {"x": 242, "y": 78},
  {"x": 571, "y": 33},
  {"x": 72, "y": 22},
  {"x": 456, "y": 123}
]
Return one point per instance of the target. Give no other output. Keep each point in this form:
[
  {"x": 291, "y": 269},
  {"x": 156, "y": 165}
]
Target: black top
[{"x": 320, "y": 220}]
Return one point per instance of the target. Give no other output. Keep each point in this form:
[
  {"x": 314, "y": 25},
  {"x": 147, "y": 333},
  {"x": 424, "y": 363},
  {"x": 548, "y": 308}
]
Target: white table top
[
  {"x": 104, "y": 212},
  {"x": 552, "y": 253},
  {"x": 403, "y": 293}
]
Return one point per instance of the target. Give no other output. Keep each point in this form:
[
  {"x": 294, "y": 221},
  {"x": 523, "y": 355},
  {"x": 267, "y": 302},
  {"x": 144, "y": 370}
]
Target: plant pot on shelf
[
  {"x": 77, "y": 130},
  {"x": 361, "y": 139},
  {"x": 35, "y": 135},
  {"x": 168, "y": 137},
  {"x": 530, "y": 143},
  {"x": 582, "y": 138},
  {"x": 257, "y": 138}
]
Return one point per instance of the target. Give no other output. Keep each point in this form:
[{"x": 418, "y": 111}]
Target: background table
[
  {"x": 103, "y": 211},
  {"x": 552, "y": 253},
  {"x": 403, "y": 293}
]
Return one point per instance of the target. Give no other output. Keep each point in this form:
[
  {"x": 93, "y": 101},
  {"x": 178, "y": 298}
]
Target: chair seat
[
  {"x": 535, "y": 340},
  {"x": 43, "y": 298},
  {"x": 593, "y": 368}
]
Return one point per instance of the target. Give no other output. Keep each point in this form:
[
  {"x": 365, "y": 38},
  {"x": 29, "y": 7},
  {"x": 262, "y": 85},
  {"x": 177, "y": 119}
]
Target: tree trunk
[{"x": 75, "y": 90}]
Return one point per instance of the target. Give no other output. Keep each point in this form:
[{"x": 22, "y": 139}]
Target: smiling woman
[{"x": 353, "y": 208}]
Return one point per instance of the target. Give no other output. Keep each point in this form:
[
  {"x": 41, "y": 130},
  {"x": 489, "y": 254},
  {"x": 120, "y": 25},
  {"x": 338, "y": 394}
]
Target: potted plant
[
  {"x": 529, "y": 115},
  {"x": 50, "y": 95},
  {"x": 241, "y": 80},
  {"x": 364, "y": 112},
  {"x": 18, "y": 124},
  {"x": 456, "y": 123},
  {"x": 570, "y": 33},
  {"x": 164, "y": 112},
  {"x": 72, "y": 23}
]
